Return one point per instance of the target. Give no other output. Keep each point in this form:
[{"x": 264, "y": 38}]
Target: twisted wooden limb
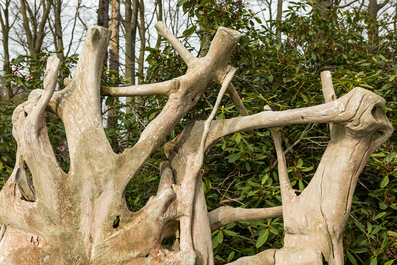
[
  {"x": 32, "y": 209},
  {"x": 35, "y": 149},
  {"x": 187, "y": 57},
  {"x": 82, "y": 218},
  {"x": 220, "y": 42},
  {"x": 186, "y": 193},
  {"x": 237, "y": 100},
  {"x": 97, "y": 177},
  {"x": 225, "y": 215},
  {"x": 328, "y": 92},
  {"x": 314, "y": 221},
  {"x": 163, "y": 88},
  {"x": 359, "y": 114},
  {"x": 212, "y": 68}
]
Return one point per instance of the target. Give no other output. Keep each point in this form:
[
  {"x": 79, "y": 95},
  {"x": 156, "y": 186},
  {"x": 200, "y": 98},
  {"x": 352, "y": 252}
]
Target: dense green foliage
[{"x": 239, "y": 170}]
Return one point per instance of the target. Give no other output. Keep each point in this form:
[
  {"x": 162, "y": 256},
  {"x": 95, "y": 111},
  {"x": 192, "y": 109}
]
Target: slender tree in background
[
  {"x": 130, "y": 24},
  {"x": 114, "y": 57},
  {"x": 373, "y": 9},
  {"x": 5, "y": 31},
  {"x": 103, "y": 20},
  {"x": 159, "y": 10},
  {"x": 142, "y": 36},
  {"x": 34, "y": 21},
  {"x": 279, "y": 18},
  {"x": 57, "y": 28}
]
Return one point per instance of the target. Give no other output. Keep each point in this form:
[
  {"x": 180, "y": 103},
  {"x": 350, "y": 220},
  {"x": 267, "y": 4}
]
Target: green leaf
[
  {"x": 369, "y": 227},
  {"x": 351, "y": 258},
  {"x": 300, "y": 163},
  {"x": 389, "y": 157},
  {"x": 264, "y": 178},
  {"x": 230, "y": 233},
  {"x": 203, "y": 42},
  {"x": 109, "y": 101},
  {"x": 18, "y": 60},
  {"x": 214, "y": 242},
  {"x": 189, "y": 31},
  {"x": 234, "y": 157},
  {"x": 378, "y": 155},
  {"x": 384, "y": 182},
  {"x": 231, "y": 256},
  {"x": 379, "y": 215},
  {"x": 390, "y": 262},
  {"x": 392, "y": 233},
  {"x": 248, "y": 167},
  {"x": 219, "y": 237},
  {"x": 374, "y": 261},
  {"x": 306, "y": 169},
  {"x": 301, "y": 186},
  {"x": 360, "y": 250},
  {"x": 384, "y": 243},
  {"x": 204, "y": 2},
  {"x": 238, "y": 137},
  {"x": 181, "y": 2},
  {"x": 262, "y": 238}
]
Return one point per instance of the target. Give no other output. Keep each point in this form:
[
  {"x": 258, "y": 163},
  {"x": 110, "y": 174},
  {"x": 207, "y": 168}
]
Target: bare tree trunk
[
  {"x": 103, "y": 20},
  {"x": 5, "y": 29},
  {"x": 130, "y": 24},
  {"x": 373, "y": 9},
  {"x": 115, "y": 37},
  {"x": 279, "y": 18},
  {"x": 142, "y": 31},
  {"x": 159, "y": 4},
  {"x": 35, "y": 29},
  {"x": 58, "y": 33},
  {"x": 58, "y": 29},
  {"x": 114, "y": 58}
]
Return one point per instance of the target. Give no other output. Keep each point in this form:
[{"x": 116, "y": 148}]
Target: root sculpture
[{"x": 67, "y": 217}]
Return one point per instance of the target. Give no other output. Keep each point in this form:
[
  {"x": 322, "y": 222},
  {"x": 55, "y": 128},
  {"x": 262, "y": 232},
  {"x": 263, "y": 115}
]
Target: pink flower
[
  {"x": 16, "y": 73},
  {"x": 61, "y": 148},
  {"x": 28, "y": 77}
]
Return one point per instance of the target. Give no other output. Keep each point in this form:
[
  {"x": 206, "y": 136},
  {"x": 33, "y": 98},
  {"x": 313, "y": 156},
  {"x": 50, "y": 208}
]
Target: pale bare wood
[
  {"x": 328, "y": 92},
  {"x": 287, "y": 192},
  {"x": 237, "y": 100},
  {"x": 25, "y": 185},
  {"x": 186, "y": 193},
  {"x": 76, "y": 212},
  {"x": 314, "y": 221},
  {"x": 226, "y": 214},
  {"x": 187, "y": 57},
  {"x": 327, "y": 86},
  {"x": 212, "y": 68},
  {"x": 163, "y": 88}
]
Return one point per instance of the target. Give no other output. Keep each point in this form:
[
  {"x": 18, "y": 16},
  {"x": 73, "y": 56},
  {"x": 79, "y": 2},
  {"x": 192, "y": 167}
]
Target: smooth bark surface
[{"x": 69, "y": 217}]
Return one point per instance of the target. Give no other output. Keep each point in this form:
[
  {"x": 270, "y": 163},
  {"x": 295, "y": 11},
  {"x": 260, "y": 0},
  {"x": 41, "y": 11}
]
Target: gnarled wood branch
[
  {"x": 81, "y": 217},
  {"x": 225, "y": 215}
]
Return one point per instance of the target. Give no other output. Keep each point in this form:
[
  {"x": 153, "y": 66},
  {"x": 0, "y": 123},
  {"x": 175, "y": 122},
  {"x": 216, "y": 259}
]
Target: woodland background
[{"x": 284, "y": 48}]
